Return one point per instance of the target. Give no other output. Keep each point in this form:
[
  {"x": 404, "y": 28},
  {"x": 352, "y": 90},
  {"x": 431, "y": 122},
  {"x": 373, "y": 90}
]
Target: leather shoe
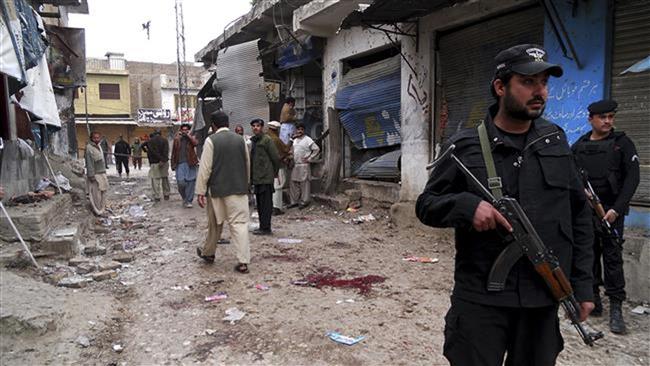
[
  {"x": 262, "y": 232},
  {"x": 207, "y": 258}
]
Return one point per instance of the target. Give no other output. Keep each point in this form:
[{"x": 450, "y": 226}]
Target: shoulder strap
[{"x": 494, "y": 182}]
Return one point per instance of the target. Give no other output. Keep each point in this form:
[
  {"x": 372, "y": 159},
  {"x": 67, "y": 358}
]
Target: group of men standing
[{"x": 517, "y": 153}]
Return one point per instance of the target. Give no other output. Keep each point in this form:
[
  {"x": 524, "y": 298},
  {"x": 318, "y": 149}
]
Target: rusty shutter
[
  {"x": 466, "y": 62},
  {"x": 632, "y": 89}
]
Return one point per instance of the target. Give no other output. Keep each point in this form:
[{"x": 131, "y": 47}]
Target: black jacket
[
  {"x": 157, "y": 149},
  {"x": 122, "y": 147},
  {"x": 612, "y": 166},
  {"x": 549, "y": 191}
]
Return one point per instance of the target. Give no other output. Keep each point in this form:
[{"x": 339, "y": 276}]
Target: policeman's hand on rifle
[
  {"x": 486, "y": 217},
  {"x": 610, "y": 216}
]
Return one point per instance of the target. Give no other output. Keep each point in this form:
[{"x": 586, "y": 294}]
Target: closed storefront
[
  {"x": 630, "y": 86},
  {"x": 465, "y": 64}
]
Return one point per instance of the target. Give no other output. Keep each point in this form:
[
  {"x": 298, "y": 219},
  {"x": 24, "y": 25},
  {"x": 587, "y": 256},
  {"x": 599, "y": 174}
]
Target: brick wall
[{"x": 147, "y": 76}]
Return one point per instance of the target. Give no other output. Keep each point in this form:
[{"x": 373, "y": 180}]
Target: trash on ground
[
  {"x": 300, "y": 283},
  {"x": 129, "y": 244},
  {"x": 136, "y": 211},
  {"x": 352, "y": 209},
  {"x": 216, "y": 297},
  {"x": 233, "y": 314},
  {"x": 349, "y": 301},
  {"x": 641, "y": 310},
  {"x": 83, "y": 341},
  {"x": 210, "y": 331},
  {"x": 104, "y": 221},
  {"x": 363, "y": 218},
  {"x": 63, "y": 182},
  {"x": 289, "y": 241},
  {"x": 262, "y": 287},
  {"x": 349, "y": 341},
  {"x": 118, "y": 348},
  {"x": 420, "y": 259}
]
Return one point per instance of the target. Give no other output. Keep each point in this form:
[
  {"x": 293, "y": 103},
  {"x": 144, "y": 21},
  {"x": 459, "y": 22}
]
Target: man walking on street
[
  {"x": 610, "y": 161},
  {"x": 96, "y": 179},
  {"x": 533, "y": 165},
  {"x": 157, "y": 150},
  {"x": 280, "y": 181},
  {"x": 264, "y": 168},
  {"x": 136, "y": 156},
  {"x": 185, "y": 163},
  {"x": 305, "y": 151},
  {"x": 122, "y": 154},
  {"x": 224, "y": 171}
]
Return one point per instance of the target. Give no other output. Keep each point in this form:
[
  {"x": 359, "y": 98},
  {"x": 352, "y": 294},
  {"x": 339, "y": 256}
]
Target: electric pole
[{"x": 183, "y": 98}]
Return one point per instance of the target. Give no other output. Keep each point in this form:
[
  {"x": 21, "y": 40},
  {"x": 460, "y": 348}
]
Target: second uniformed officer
[{"x": 611, "y": 163}]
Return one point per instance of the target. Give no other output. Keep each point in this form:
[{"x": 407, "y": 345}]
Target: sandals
[{"x": 241, "y": 268}]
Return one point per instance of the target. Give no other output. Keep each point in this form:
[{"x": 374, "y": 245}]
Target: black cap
[
  {"x": 257, "y": 120},
  {"x": 602, "y": 106},
  {"x": 526, "y": 59}
]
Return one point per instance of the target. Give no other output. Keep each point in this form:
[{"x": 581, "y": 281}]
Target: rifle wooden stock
[{"x": 556, "y": 280}]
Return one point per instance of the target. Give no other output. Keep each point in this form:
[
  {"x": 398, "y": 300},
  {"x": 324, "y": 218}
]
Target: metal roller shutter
[
  {"x": 242, "y": 88},
  {"x": 632, "y": 90},
  {"x": 368, "y": 100},
  {"x": 467, "y": 65}
]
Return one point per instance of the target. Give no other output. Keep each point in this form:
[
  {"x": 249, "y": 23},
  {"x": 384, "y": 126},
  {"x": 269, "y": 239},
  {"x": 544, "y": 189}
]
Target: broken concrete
[
  {"x": 34, "y": 220},
  {"x": 75, "y": 282},
  {"x": 93, "y": 250},
  {"x": 106, "y": 266},
  {"x": 123, "y": 257},
  {"x": 78, "y": 260},
  {"x": 85, "y": 268},
  {"x": 104, "y": 275},
  {"x": 65, "y": 242}
]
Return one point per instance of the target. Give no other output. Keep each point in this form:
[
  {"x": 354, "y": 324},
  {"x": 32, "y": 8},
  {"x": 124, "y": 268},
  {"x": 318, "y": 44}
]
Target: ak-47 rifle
[
  {"x": 599, "y": 210},
  {"x": 524, "y": 241}
]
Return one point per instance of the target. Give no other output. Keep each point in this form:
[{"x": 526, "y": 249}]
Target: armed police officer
[
  {"x": 534, "y": 163},
  {"x": 609, "y": 160}
]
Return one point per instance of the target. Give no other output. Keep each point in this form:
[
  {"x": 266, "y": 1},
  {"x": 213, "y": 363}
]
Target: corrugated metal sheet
[
  {"x": 368, "y": 100},
  {"x": 632, "y": 90},
  {"x": 240, "y": 83},
  {"x": 466, "y": 71}
]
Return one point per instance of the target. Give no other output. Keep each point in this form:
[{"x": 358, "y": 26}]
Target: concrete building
[
  {"x": 47, "y": 78},
  {"x": 440, "y": 55}
]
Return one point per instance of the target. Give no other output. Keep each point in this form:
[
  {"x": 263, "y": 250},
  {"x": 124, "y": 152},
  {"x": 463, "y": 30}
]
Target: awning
[
  {"x": 261, "y": 19},
  {"x": 80, "y": 120},
  {"x": 394, "y": 11},
  {"x": 295, "y": 54}
]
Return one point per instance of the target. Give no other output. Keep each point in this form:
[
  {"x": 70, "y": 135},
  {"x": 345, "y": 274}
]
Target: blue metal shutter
[{"x": 368, "y": 101}]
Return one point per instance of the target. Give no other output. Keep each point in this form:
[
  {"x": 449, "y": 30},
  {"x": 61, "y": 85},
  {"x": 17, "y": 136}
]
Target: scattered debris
[
  {"x": 352, "y": 209},
  {"x": 73, "y": 262},
  {"x": 30, "y": 197},
  {"x": 118, "y": 348},
  {"x": 641, "y": 309},
  {"x": 123, "y": 257},
  {"x": 69, "y": 231},
  {"x": 94, "y": 250},
  {"x": 216, "y": 297},
  {"x": 210, "y": 331},
  {"x": 136, "y": 211},
  {"x": 83, "y": 341},
  {"x": 363, "y": 218},
  {"x": 420, "y": 259},
  {"x": 349, "y": 301},
  {"x": 85, "y": 268},
  {"x": 262, "y": 287},
  {"x": 74, "y": 282},
  {"x": 289, "y": 241},
  {"x": 233, "y": 315},
  {"x": 339, "y": 338},
  {"x": 104, "y": 275},
  {"x": 110, "y": 265}
]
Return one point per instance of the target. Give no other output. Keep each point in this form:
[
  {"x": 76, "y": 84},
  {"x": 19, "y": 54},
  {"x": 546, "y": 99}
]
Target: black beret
[
  {"x": 602, "y": 106},
  {"x": 526, "y": 59}
]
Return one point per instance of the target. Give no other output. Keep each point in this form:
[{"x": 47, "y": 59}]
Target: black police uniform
[
  {"x": 612, "y": 167},
  {"x": 536, "y": 168}
]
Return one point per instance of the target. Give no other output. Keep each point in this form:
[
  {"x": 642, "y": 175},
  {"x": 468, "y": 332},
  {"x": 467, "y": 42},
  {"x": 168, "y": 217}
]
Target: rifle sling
[{"x": 494, "y": 181}]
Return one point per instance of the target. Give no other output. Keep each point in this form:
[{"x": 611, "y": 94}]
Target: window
[{"x": 109, "y": 91}]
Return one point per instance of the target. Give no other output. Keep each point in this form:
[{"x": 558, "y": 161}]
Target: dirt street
[{"x": 155, "y": 313}]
